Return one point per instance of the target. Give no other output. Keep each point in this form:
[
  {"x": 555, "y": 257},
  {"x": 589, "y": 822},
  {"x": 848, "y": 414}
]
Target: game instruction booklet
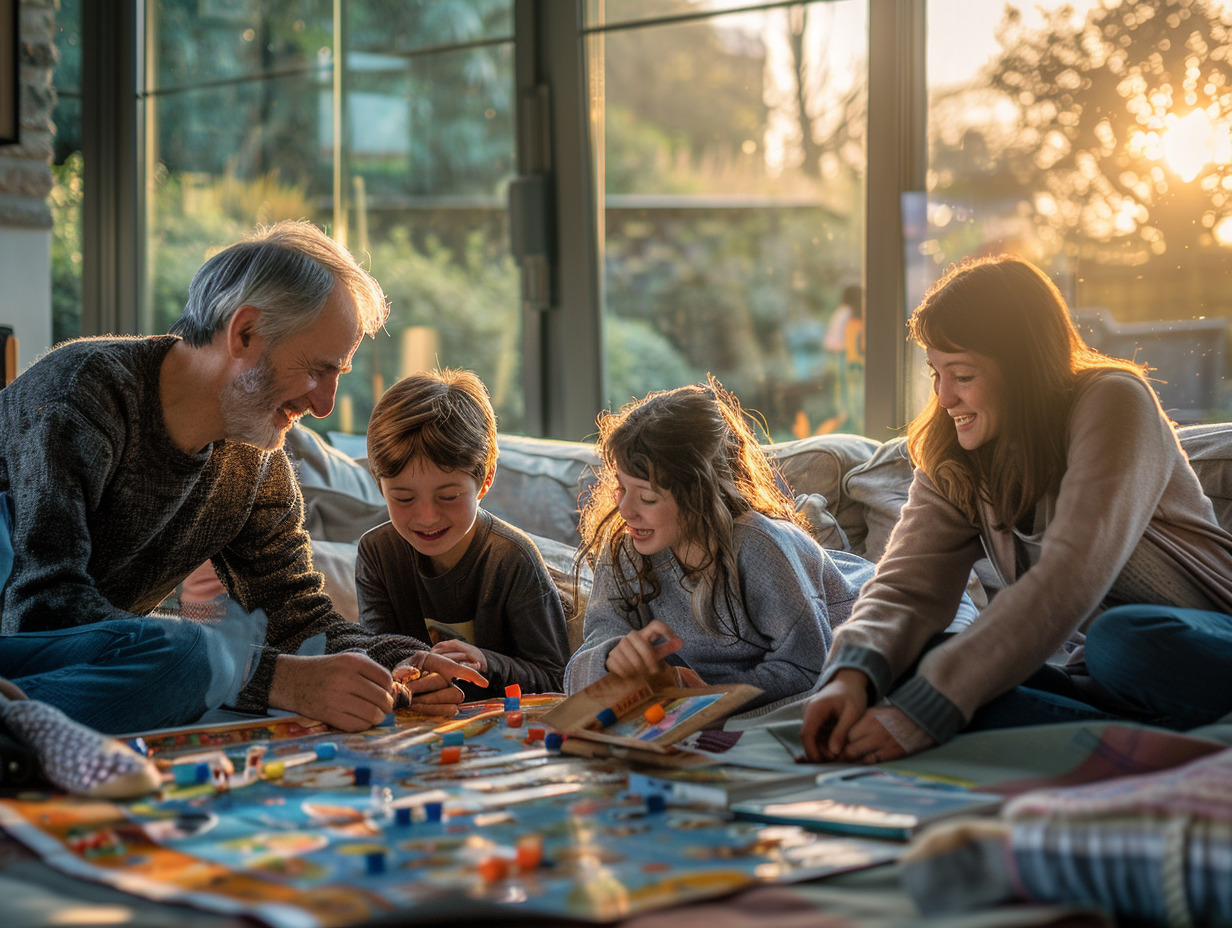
[
  {"x": 642, "y": 717},
  {"x": 866, "y": 802}
]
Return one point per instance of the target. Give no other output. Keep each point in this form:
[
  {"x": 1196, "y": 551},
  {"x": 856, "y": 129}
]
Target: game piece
[
  {"x": 254, "y": 759},
  {"x": 190, "y": 774},
  {"x": 606, "y": 718},
  {"x": 655, "y": 714},
  {"x": 493, "y": 868},
  {"x": 453, "y": 738},
  {"x": 451, "y": 754},
  {"x": 513, "y": 690},
  {"x": 138, "y": 744},
  {"x": 513, "y": 719},
  {"x": 655, "y": 803},
  {"x": 529, "y": 851},
  {"x": 513, "y": 703},
  {"x": 553, "y": 740},
  {"x": 374, "y": 862},
  {"x": 402, "y": 816},
  {"x": 535, "y": 734},
  {"x": 432, "y": 811},
  {"x": 363, "y": 776}
]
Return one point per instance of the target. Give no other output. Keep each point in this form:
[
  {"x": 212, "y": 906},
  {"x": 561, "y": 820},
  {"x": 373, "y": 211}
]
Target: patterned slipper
[{"x": 77, "y": 759}]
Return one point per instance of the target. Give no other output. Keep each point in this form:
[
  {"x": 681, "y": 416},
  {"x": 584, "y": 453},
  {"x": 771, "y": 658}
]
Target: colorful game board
[{"x": 387, "y": 823}]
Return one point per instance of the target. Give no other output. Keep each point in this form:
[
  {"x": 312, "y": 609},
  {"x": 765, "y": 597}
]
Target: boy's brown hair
[{"x": 442, "y": 416}]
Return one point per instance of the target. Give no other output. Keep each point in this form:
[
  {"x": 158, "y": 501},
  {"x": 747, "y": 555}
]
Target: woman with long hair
[{"x": 1058, "y": 463}]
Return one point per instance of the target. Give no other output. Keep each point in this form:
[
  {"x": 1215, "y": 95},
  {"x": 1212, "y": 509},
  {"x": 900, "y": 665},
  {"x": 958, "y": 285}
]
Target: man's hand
[
  {"x": 830, "y": 715},
  {"x": 349, "y": 691},
  {"x": 641, "y": 652},
  {"x": 427, "y": 678},
  {"x": 462, "y": 652}
]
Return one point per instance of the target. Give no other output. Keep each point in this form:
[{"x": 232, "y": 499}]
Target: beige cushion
[
  {"x": 816, "y": 466},
  {"x": 879, "y": 486},
  {"x": 1210, "y": 453},
  {"x": 538, "y": 483}
]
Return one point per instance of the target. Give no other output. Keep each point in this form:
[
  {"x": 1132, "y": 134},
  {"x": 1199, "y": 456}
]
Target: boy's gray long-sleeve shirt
[
  {"x": 109, "y": 515},
  {"x": 793, "y": 593}
]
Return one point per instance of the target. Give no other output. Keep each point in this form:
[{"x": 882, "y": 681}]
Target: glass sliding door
[
  {"x": 731, "y": 161},
  {"x": 388, "y": 123}
]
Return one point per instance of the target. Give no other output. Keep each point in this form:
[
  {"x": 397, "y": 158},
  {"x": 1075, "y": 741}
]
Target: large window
[
  {"x": 1094, "y": 139},
  {"x": 701, "y": 185},
  {"x": 389, "y": 123},
  {"x": 730, "y": 151}
]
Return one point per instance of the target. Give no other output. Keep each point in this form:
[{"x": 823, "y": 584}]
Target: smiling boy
[{"x": 442, "y": 567}]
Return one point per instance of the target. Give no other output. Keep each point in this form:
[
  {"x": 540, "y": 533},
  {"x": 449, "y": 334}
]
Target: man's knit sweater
[{"x": 109, "y": 515}]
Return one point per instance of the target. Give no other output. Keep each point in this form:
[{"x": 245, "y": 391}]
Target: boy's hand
[
  {"x": 427, "y": 662},
  {"x": 640, "y": 653},
  {"x": 462, "y": 652}
]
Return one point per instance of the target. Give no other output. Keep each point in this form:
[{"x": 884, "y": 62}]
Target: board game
[{"x": 319, "y": 828}]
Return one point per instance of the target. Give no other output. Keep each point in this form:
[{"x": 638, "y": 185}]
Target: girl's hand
[
  {"x": 462, "y": 652},
  {"x": 640, "y": 653},
  {"x": 830, "y": 715},
  {"x": 884, "y": 733}
]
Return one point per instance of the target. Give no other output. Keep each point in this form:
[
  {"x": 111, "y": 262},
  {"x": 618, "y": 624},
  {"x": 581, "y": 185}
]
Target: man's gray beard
[{"x": 249, "y": 403}]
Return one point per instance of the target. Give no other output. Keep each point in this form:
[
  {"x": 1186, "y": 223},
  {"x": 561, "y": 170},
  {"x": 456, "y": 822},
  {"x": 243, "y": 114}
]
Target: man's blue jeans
[
  {"x": 119, "y": 676},
  {"x": 1156, "y": 664}
]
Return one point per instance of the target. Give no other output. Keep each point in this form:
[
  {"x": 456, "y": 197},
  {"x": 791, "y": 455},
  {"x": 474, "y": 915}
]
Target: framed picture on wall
[{"x": 10, "y": 103}]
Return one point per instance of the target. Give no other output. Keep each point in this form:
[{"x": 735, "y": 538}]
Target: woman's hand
[
  {"x": 462, "y": 652},
  {"x": 884, "y": 733},
  {"x": 830, "y": 715},
  {"x": 640, "y": 653}
]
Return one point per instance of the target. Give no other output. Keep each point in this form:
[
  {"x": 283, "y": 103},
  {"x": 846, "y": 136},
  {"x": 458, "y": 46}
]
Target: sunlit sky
[{"x": 962, "y": 33}]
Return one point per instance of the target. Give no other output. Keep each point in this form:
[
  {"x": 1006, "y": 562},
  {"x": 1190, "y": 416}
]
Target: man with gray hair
[{"x": 127, "y": 462}]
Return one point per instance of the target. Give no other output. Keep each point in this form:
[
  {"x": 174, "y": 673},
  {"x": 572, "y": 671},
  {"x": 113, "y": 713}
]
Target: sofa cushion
[
  {"x": 879, "y": 486},
  {"x": 341, "y": 498},
  {"x": 816, "y": 466},
  {"x": 1209, "y": 448},
  {"x": 538, "y": 484}
]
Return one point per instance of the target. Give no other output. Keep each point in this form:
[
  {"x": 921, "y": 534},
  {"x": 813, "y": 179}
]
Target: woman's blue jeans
[
  {"x": 1157, "y": 664},
  {"x": 124, "y": 675}
]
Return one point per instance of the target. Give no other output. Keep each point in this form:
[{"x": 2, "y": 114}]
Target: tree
[{"x": 1123, "y": 122}]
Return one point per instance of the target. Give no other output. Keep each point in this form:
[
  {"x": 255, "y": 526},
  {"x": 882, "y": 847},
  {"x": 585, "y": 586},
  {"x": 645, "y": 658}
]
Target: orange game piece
[
  {"x": 513, "y": 691},
  {"x": 493, "y": 868},
  {"x": 529, "y": 851},
  {"x": 451, "y": 754},
  {"x": 655, "y": 714},
  {"x": 535, "y": 734},
  {"x": 513, "y": 719}
]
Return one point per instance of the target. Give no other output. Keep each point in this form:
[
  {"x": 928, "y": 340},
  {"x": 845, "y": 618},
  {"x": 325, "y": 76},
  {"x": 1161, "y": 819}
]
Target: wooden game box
[{"x": 610, "y": 716}]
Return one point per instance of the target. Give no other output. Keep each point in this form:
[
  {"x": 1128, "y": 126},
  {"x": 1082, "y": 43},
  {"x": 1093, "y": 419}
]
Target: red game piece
[
  {"x": 513, "y": 719},
  {"x": 513, "y": 691},
  {"x": 493, "y": 868},
  {"x": 535, "y": 734},
  {"x": 451, "y": 754},
  {"x": 529, "y": 852}
]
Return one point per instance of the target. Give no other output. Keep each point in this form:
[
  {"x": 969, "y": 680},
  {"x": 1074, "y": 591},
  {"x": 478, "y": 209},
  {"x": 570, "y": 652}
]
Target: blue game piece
[
  {"x": 325, "y": 750},
  {"x": 375, "y": 862},
  {"x": 138, "y": 744},
  {"x": 553, "y": 740},
  {"x": 512, "y": 703},
  {"x": 363, "y": 776},
  {"x": 190, "y": 774},
  {"x": 452, "y": 738},
  {"x": 432, "y": 811},
  {"x": 655, "y": 802},
  {"x": 606, "y": 718},
  {"x": 390, "y": 720},
  {"x": 402, "y": 816}
]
